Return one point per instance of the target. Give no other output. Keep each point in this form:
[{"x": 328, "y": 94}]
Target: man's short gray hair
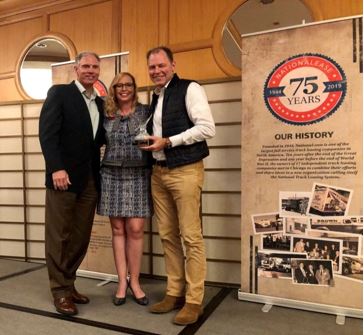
[{"x": 84, "y": 54}]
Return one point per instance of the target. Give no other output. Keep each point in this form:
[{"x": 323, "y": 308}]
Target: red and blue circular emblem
[
  {"x": 100, "y": 88},
  {"x": 305, "y": 89}
]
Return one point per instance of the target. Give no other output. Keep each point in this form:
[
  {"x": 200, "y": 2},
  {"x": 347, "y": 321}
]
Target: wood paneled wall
[
  {"x": 332, "y": 9},
  {"x": 89, "y": 27},
  {"x": 192, "y": 28}
]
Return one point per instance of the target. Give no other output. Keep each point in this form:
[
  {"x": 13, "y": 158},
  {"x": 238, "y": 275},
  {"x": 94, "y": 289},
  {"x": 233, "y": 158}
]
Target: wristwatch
[{"x": 168, "y": 143}]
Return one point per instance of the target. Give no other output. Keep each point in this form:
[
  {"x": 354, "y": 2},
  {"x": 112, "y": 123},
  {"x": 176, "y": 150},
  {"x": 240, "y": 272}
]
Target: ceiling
[
  {"x": 15, "y": 5},
  {"x": 49, "y": 50},
  {"x": 260, "y": 15}
]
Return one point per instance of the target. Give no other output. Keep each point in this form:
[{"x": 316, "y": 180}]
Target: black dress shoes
[
  {"x": 79, "y": 298},
  {"x": 118, "y": 301},
  {"x": 65, "y": 305},
  {"x": 144, "y": 301},
  {"x": 141, "y": 301}
]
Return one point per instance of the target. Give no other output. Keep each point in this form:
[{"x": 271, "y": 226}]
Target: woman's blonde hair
[{"x": 111, "y": 105}]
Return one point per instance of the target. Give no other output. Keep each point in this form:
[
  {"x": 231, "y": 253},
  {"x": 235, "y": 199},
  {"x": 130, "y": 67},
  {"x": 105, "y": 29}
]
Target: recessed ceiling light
[{"x": 41, "y": 45}]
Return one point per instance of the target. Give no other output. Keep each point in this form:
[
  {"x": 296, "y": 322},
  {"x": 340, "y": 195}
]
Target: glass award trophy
[{"x": 142, "y": 137}]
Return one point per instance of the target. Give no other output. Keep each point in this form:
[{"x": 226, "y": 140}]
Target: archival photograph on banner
[
  {"x": 350, "y": 225},
  {"x": 293, "y": 204},
  {"x": 312, "y": 272},
  {"x": 296, "y": 226},
  {"x": 329, "y": 200},
  {"x": 267, "y": 223},
  {"x": 352, "y": 267},
  {"x": 275, "y": 264},
  {"x": 319, "y": 248},
  {"x": 276, "y": 242},
  {"x": 352, "y": 243}
]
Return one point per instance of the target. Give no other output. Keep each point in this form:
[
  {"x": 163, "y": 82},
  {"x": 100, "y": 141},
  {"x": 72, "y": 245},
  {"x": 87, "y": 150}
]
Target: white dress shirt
[
  {"x": 199, "y": 113},
  {"x": 91, "y": 105}
]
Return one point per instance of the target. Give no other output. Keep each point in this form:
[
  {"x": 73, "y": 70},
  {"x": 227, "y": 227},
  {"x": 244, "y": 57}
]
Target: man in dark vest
[
  {"x": 181, "y": 123},
  {"x": 71, "y": 133}
]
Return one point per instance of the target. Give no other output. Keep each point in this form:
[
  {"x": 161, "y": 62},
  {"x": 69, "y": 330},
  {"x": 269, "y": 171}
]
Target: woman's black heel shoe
[
  {"x": 120, "y": 301},
  {"x": 141, "y": 301}
]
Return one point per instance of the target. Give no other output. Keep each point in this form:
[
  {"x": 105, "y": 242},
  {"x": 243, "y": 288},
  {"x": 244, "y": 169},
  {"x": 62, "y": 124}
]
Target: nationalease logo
[
  {"x": 100, "y": 88},
  {"x": 305, "y": 89}
]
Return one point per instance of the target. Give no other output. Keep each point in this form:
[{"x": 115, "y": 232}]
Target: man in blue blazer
[{"x": 71, "y": 134}]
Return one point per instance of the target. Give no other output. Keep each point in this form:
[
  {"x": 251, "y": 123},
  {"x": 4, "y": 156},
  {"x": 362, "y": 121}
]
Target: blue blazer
[{"x": 66, "y": 136}]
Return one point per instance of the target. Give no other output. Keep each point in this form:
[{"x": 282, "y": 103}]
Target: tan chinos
[{"x": 176, "y": 197}]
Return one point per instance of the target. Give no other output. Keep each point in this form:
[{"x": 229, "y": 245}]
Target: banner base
[
  {"x": 298, "y": 304},
  {"x": 97, "y": 275}
]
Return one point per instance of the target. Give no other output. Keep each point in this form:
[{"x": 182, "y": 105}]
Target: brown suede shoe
[
  {"x": 188, "y": 314},
  {"x": 65, "y": 305},
  {"x": 169, "y": 303},
  {"x": 79, "y": 298}
]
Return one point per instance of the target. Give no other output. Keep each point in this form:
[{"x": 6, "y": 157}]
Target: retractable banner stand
[
  {"x": 302, "y": 216},
  {"x": 99, "y": 260}
]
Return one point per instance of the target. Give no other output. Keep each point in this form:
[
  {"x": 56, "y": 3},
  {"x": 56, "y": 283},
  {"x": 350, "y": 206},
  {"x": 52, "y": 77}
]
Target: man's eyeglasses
[{"x": 127, "y": 86}]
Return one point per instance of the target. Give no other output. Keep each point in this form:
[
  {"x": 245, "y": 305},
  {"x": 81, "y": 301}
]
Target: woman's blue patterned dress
[{"x": 125, "y": 191}]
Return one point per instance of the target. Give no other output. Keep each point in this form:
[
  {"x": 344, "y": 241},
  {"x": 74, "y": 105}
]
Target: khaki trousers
[
  {"x": 176, "y": 197},
  {"x": 68, "y": 223}
]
